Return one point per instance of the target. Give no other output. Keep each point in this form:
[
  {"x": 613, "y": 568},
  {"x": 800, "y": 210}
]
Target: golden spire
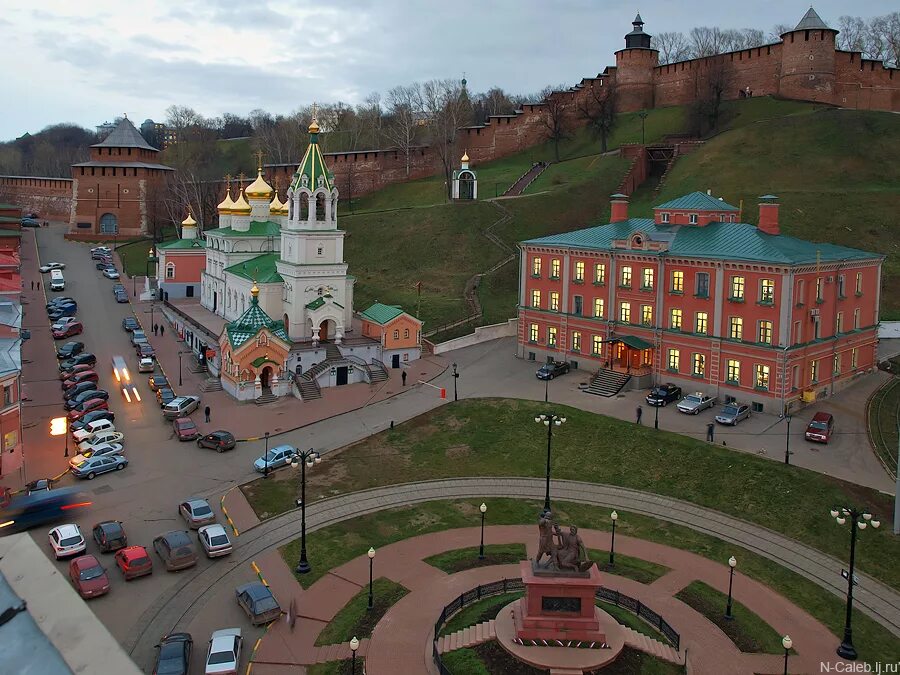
[
  {"x": 189, "y": 221},
  {"x": 314, "y": 125},
  {"x": 241, "y": 207},
  {"x": 226, "y": 206},
  {"x": 259, "y": 189},
  {"x": 465, "y": 157},
  {"x": 254, "y": 291}
]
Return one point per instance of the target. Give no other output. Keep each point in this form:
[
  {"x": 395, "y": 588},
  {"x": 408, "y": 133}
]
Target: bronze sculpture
[{"x": 565, "y": 555}]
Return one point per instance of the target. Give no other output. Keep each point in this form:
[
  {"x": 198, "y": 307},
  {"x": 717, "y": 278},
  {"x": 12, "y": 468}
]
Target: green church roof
[
  {"x": 261, "y": 269},
  {"x": 246, "y": 326},
  {"x": 382, "y": 314},
  {"x": 698, "y": 201},
  {"x": 258, "y": 228},
  {"x": 312, "y": 165},
  {"x": 182, "y": 244}
]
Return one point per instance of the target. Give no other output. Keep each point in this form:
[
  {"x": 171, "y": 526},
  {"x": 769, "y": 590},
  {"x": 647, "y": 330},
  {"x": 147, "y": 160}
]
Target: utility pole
[{"x": 897, "y": 490}]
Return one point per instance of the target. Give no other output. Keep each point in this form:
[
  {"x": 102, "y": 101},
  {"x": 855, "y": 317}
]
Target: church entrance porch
[
  {"x": 631, "y": 354},
  {"x": 265, "y": 379}
]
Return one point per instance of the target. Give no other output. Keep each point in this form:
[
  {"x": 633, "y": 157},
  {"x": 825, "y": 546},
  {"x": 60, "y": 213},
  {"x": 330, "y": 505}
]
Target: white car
[
  {"x": 224, "y": 653},
  {"x": 52, "y": 266},
  {"x": 93, "y": 428},
  {"x": 101, "y": 437},
  {"x": 110, "y": 273},
  {"x": 66, "y": 540},
  {"x": 146, "y": 365},
  {"x": 62, "y": 322},
  {"x": 214, "y": 540}
]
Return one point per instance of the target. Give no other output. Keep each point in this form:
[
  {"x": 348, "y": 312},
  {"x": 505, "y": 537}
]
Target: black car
[
  {"x": 93, "y": 416},
  {"x": 62, "y": 309},
  {"x": 102, "y": 265},
  {"x": 174, "y": 655},
  {"x": 165, "y": 395},
  {"x": 663, "y": 394},
  {"x": 110, "y": 536},
  {"x": 61, "y": 300},
  {"x": 82, "y": 359},
  {"x": 30, "y": 222},
  {"x": 129, "y": 323},
  {"x": 77, "y": 389},
  {"x": 550, "y": 370},
  {"x": 88, "y": 395},
  {"x": 121, "y": 297},
  {"x": 68, "y": 350},
  {"x": 158, "y": 381},
  {"x": 217, "y": 440}
]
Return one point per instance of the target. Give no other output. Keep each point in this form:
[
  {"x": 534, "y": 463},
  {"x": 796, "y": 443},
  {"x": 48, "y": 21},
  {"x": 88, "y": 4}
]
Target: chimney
[
  {"x": 618, "y": 208},
  {"x": 768, "y": 215}
]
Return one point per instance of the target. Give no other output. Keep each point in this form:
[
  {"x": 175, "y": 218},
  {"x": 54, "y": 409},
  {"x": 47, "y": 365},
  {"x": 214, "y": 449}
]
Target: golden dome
[
  {"x": 226, "y": 205},
  {"x": 255, "y": 290},
  {"x": 189, "y": 221},
  {"x": 240, "y": 206},
  {"x": 465, "y": 157},
  {"x": 313, "y": 126},
  {"x": 276, "y": 206},
  {"x": 259, "y": 189}
]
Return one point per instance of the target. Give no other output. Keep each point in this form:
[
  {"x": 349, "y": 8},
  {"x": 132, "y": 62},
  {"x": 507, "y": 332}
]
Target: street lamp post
[
  {"x": 859, "y": 520},
  {"x": 732, "y": 563},
  {"x": 59, "y": 426},
  {"x": 455, "y": 378},
  {"x": 787, "y": 643},
  {"x": 354, "y": 645},
  {"x": 179, "y": 365},
  {"x": 787, "y": 441},
  {"x": 483, "y": 509},
  {"x": 265, "y": 454},
  {"x": 549, "y": 420},
  {"x": 304, "y": 458},
  {"x": 656, "y": 416},
  {"x": 371, "y": 555},
  {"x": 643, "y": 115},
  {"x": 612, "y": 545}
]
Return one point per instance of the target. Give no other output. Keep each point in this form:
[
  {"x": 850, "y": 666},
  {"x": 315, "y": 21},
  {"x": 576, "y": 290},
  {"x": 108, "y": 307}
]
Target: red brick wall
[
  {"x": 868, "y": 85},
  {"x": 635, "y": 78},
  {"x": 50, "y": 198},
  {"x": 807, "y": 66}
]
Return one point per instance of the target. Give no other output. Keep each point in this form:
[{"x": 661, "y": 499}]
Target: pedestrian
[
  {"x": 32, "y": 284},
  {"x": 155, "y": 329},
  {"x": 39, "y": 285},
  {"x": 640, "y": 411},
  {"x": 709, "y": 431},
  {"x": 206, "y": 412},
  {"x": 403, "y": 377},
  {"x": 162, "y": 329}
]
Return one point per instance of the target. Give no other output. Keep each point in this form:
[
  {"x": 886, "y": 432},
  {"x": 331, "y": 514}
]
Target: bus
[
  {"x": 21, "y": 511},
  {"x": 123, "y": 377}
]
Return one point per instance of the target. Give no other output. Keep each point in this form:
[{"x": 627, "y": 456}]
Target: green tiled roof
[
  {"x": 251, "y": 322},
  {"x": 257, "y": 229},
  {"x": 312, "y": 166},
  {"x": 382, "y": 314},
  {"x": 259, "y": 360},
  {"x": 183, "y": 244},
  {"x": 260, "y": 269},
  {"x": 732, "y": 241},
  {"x": 697, "y": 201}
]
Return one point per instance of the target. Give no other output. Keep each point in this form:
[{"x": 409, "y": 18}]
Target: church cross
[
  {"x": 259, "y": 156},
  {"x": 315, "y": 110}
]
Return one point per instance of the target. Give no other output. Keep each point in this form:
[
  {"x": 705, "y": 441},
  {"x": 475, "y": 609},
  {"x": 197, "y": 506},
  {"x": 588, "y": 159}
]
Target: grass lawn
[
  {"x": 134, "y": 257},
  {"x": 747, "y": 630},
  {"x": 632, "y": 621},
  {"x": 356, "y": 619},
  {"x": 461, "y": 559},
  {"x": 642, "y": 571},
  {"x": 884, "y": 416},
  {"x": 464, "y": 662},
  {"x": 632, "y": 662},
  {"x": 334, "y": 668},
  {"x": 478, "y": 612}
]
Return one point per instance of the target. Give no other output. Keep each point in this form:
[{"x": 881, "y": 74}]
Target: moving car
[
  {"x": 51, "y": 266},
  {"x": 100, "y": 437},
  {"x": 57, "y": 280},
  {"x": 257, "y": 600},
  {"x": 553, "y": 369},
  {"x": 820, "y": 427},
  {"x": 86, "y": 407},
  {"x": 88, "y": 576},
  {"x": 111, "y": 273},
  {"x": 173, "y": 656},
  {"x": 146, "y": 365},
  {"x": 196, "y": 512},
  {"x": 66, "y": 540},
  {"x": 69, "y": 350},
  {"x": 224, "y": 653},
  {"x": 280, "y": 455},
  {"x": 129, "y": 323},
  {"x": 94, "y": 466},
  {"x": 214, "y": 540},
  {"x": 164, "y": 396},
  {"x": 110, "y": 536},
  {"x": 157, "y": 381},
  {"x": 175, "y": 550},
  {"x": 219, "y": 441},
  {"x": 185, "y": 429},
  {"x": 733, "y": 413},
  {"x": 663, "y": 395},
  {"x": 80, "y": 359},
  {"x": 692, "y": 404},
  {"x": 134, "y": 562},
  {"x": 100, "y": 421},
  {"x": 181, "y": 406}
]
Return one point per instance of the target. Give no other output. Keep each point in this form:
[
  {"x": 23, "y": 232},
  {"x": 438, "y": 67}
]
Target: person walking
[
  {"x": 710, "y": 429},
  {"x": 162, "y": 329},
  {"x": 403, "y": 377},
  {"x": 155, "y": 329},
  {"x": 32, "y": 284},
  {"x": 206, "y": 412},
  {"x": 639, "y": 413}
]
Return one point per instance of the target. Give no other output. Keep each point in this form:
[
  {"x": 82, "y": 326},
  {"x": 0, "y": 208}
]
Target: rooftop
[
  {"x": 381, "y": 313},
  {"x": 811, "y": 21},
  {"x": 697, "y": 201},
  {"x": 11, "y": 314},
  {"x": 127, "y": 165},
  {"x": 125, "y": 136},
  {"x": 182, "y": 244},
  {"x": 260, "y": 269},
  {"x": 257, "y": 229},
  {"x": 251, "y": 322},
  {"x": 10, "y": 355}
]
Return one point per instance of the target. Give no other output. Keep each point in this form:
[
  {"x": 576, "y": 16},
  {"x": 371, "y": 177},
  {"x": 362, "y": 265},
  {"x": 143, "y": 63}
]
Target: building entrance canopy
[{"x": 634, "y": 342}]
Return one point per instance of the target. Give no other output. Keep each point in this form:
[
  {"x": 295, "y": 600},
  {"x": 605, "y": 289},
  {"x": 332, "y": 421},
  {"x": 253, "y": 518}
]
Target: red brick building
[
  {"x": 696, "y": 297},
  {"x": 114, "y": 192}
]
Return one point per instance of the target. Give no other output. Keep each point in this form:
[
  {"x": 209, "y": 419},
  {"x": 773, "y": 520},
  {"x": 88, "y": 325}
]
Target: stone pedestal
[{"x": 558, "y": 606}]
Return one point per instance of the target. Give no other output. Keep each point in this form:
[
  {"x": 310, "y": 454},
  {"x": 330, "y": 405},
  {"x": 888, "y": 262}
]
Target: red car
[
  {"x": 134, "y": 562},
  {"x": 185, "y": 429},
  {"x": 67, "y": 374},
  {"x": 820, "y": 428},
  {"x": 78, "y": 378},
  {"x": 86, "y": 407},
  {"x": 68, "y": 330},
  {"x": 89, "y": 577}
]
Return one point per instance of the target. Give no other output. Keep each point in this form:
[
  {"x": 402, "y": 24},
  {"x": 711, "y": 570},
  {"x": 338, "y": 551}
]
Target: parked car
[
  {"x": 78, "y": 388},
  {"x": 60, "y": 312},
  {"x": 214, "y": 540},
  {"x": 733, "y": 413},
  {"x": 100, "y": 252},
  {"x": 46, "y": 267},
  {"x": 61, "y": 300},
  {"x": 146, "y": 365},
  {"x": 111, "y": 273},
  {"x": 164, "y": 396},
  {"x": 66, "y": 540},
  {"x": 280, "y": 455},
  {"x": 181, "y": 406},
  {"x": 144, "y": 350},
  {"x": 157, "y": 381},
  {"x": 173, "y": 655},
  {"x": 219, "y": 441},
  {"x": 30, "y": 222},
  {"x": 99, "y": 450},
  {"x": 196, "y": 512},
  {"x": 694, "y": 403},
  {"x": 69, "y": 350},
  {"x": 69, "y": 374},
  {"x": 110, "y": 536},
  {"x": 553, "y": 369},
  {"x": 80, "y": 359},
  {"x": 105, "y": 436},
  {"x": 134, "y": 562},
  {"x": 86, "y": 375},
  {"x": 90, "y": 395},
  {"x": 185, "y": 429},
  {"x": 89, "y": 577},
  {"x": 118, "y": 288},
  {"x": 663, "y": 395},
  {"x": 94, "y": 466},
  {"x": 103, "y": 264},
  {"x": 138, "y": 335},
  {"x": 257, "y": 600},
  {"x": 65, "y": 321},
  {"x": 175, "y": 550},
  {"x": 92, "y": 423},
  {"x": 129, "y": 323},
  {"x": 820, "y": 427},
  {"x": 121, "y": 297},
  {"x": 224, "y": 652},
  {"x": 39, "y": 485}
]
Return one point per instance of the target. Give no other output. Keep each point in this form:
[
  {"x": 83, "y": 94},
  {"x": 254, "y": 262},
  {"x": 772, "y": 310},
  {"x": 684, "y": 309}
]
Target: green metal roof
[
  {"x": 257, "y": 229},
  {"x": 259, "y": 360},
  {"x": 183, "y": 244},
  {"x": 251, "y": 322},
  {"x": 382, "y": 314},
  {"x": 697, "y": 201},
  {"x": 635, "y": 342},
  {"x": 312, "y": 166},
  {"x": 731, "y": 241},
  {"x": 318, "y": 302},
  {"x": 260, "y": 269}
]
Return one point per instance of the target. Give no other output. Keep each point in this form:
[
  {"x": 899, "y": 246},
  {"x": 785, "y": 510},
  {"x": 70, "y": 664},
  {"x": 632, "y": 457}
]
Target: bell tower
[{"x": 634, "y": 70}]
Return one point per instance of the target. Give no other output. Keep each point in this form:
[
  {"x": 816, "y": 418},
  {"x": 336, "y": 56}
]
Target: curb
[
  {"x": 256, "y": 569},
  {"x": 225, "y": 511},
  {"x": 257, "y": 643}
]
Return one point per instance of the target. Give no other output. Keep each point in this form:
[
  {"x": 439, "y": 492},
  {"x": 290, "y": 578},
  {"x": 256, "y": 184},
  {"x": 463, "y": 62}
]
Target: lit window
[
  {"x": 598, "y": 308},
  {"x": 554, "y": 268},
  {"x": 859, "y": 283},
  {"x": 677, "y": 281},
  {"x": 854, "y": 357},
  {"x": 599, "y": 273},
  {"x": 647, "y": 280},
  {"x": 734, "y": 371},
  {"x": 674, "y": 359},
  {"x": 693, "y": 219},
  {"x": 596, "y": 345},
  {"x": 767, "y": 291},
  {"x": 813, "y": 371},
  {"x": 819, "y": 289},
  {"x": 647, "y": 315},
  {"x": 551, "y": 336},
  {"x": 699, "y": 364},
  {"x": 536, "y": 267},
  {"x": 536, "y": 299},
  {"x": 675, "y": 319},
  {"x": 665, "y": 217},
  {"x": 625, "y": 312},
  {"x": 701, "y": 323},
  {"x": 554, "y": 301},
  {"x": 576, "y": 341},
  {"x": 765, "y": 332},
  {"x": 533, "y": 333},
  {"x": 856, "y": 319},
  {"x": 736, "y": 328},
  {"x": 839, "y": 323},
  {"x": 762, "y": 377},
  {"x": 737, "y": 288},
  {"x": 626, "y": 276},
  {"x": 579, "y": 271},
  {"x": 836, "y": 366}
]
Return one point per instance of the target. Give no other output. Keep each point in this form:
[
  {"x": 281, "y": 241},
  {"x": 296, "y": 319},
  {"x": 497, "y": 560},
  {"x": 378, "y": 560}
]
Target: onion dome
[
  {"x": 275, "y": 207},
  {"x": 465, "y": 157},
  {"x": 259, "y": 189},
  {"x": 189, "y": 221},
  {"x": 313, "y": 126},
  {"x": 226, "y": 206},
  {"x": 241, "y": 207},
  {"x": 255, "y": 290}
]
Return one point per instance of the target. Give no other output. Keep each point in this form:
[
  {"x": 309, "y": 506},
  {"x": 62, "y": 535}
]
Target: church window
[
  {"x": 304, "y": 180},
  {"x": 304, "y": 206},
  {"x": 405, "y": 333},
  {"x": 319, "y": 291},
  {"x": 170, "y": 270},
  {"x": 396, "y": 334},
  {"x": 319, "y": 250}
]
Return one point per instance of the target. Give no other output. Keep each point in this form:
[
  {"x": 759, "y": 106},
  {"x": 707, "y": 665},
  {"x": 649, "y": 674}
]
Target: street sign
[{"x": 846, "y": 574}]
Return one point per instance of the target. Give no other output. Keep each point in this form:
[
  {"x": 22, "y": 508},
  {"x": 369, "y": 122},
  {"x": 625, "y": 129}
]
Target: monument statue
[
  {"x": 546, "y": 546},
  {"x": 565, "y": 555}
]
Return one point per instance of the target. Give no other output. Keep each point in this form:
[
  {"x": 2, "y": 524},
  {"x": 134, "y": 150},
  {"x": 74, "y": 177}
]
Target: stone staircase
[
  {"x": 467, "y": 637},
  {"x": 653, "y": 647},
  {"x": 267, "y": 397},
  {"x": 196, "y": 367},
  {"x": 526, "y": 179},
  {"x": 332, "y": 352},
  {"x": 607, "y": 383},
  {"x": 211, "y": 384}
]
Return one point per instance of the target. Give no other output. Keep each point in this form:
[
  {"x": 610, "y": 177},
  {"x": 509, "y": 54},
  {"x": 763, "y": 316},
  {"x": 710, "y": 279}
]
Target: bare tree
[
  {"x": 598, "y": 108},
  {"x": 369, "y": 120},
  {"x": 673, "y": 47},
  {"x": 778, "y": 30},
  {"x": 710, "y": 84},
  {"x": 706, "y": 41},
  {"x": 852, "y": 34},
  {"x": 556, "y": 118},
  {"x": 889, "y": 26},
  {"x": 447, "y": 108},
  {"x": 404, "y": 108}
]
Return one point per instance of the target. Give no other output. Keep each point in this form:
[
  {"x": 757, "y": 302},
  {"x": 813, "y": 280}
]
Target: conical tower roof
[
  {"x": 313, "y": 164},
  {"x": 248, "y": 324},
  {"x": 811, "y": 21},
  {"x": 125, "y": 135}
]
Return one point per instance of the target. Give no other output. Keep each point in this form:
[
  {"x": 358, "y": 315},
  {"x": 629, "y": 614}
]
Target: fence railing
[{"x": 513, "y": 585}]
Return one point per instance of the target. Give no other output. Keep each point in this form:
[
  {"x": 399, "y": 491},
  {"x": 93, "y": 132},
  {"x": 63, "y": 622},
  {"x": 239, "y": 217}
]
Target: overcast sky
[{"x": 86, "y": 62}]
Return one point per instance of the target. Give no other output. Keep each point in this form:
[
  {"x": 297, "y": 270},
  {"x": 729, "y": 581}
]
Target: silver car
[
  {"x": 181, "y": 406},
  {"x": 214, "y": 540},
  {"x": 196, "y": 512},
  {"x": 733, "y": 413},
  {"x": 694, "y": 403}
]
